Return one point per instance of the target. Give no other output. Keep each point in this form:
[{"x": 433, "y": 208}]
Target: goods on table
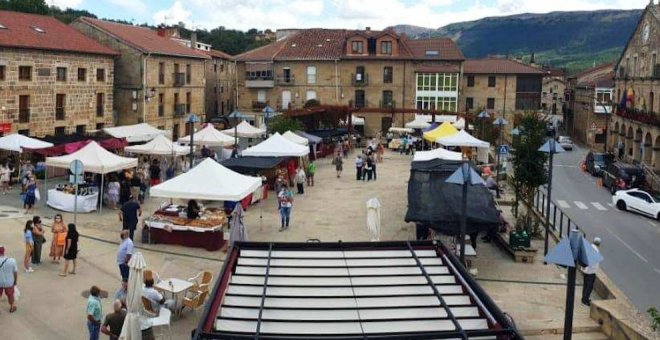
[
  {"x": 83, "y": 189},
  {"x": 175, "y": 215}
]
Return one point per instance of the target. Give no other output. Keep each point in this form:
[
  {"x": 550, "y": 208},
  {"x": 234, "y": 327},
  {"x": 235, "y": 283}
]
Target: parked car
[
  {"x": 619, "y": 175},
  {"x": 597, "y": 162},
  {"x": 639, "y": 201},
  {"x": 565, "y": 142}
]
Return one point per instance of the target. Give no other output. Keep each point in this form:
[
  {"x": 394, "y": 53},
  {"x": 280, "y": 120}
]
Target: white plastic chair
[{"x": 163, "y": 319}]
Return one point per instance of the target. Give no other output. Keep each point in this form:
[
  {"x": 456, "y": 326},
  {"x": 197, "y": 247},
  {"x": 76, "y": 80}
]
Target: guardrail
[{"x": 557, "y": 225}]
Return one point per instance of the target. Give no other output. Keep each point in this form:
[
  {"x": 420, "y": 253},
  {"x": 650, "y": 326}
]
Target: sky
[{"x": 350, "y": 14}]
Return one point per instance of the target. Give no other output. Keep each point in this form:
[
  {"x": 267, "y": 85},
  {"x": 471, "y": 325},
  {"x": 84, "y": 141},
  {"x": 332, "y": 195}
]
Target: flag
[
  {"x": 631, "y": 98},
  {"x": 622, "y": 104}
]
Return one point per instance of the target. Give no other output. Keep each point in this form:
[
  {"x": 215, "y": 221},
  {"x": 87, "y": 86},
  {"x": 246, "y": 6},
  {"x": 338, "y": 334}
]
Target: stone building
[
  {"x": 590, "y": 105},
  {"x": 635, "y": 128},
  {"x": 157, "y": 80},
  {"x": 53, "y": 79},
  {"x": 552, "y": 90},
  {"x": 374, "y": 72}
]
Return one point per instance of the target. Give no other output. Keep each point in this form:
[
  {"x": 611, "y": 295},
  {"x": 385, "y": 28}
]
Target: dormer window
[
  {"x": 386, "y": 47},
  {"x": 357, "y": 47},
  {"x": 38, "y": 29}
]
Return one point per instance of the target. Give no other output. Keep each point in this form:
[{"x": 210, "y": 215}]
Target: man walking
[
  {"x": 129, "y": 214},
  {"x": 94, "y": 313},
  {"x": 8, "y": 278},
  {"x": 300, "y": 180},
  {"x": 590, "y": 276},
  {"x": 114, "y": 321},
  {"x": 124, "y": 254},
  {"x": 311, "y": 170},
  {"x": 285, "y": 197}
]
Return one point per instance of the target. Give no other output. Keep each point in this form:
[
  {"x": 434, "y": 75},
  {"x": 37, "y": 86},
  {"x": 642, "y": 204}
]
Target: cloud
[
  {"x": 63, "y": 4},
  {"x": 176, "y": 13},
  {"x": 132, "y": 6}
]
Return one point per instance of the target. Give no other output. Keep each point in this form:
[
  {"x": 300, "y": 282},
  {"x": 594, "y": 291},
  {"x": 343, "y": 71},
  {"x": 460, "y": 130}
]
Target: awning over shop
[
  {"x": 245, "y": 130},
  {"x": 109, "y": 144},
  {"x": 462, "y": 138},
  {"x": 209, "y": 136},
  {"x": 438, "y": 153}
]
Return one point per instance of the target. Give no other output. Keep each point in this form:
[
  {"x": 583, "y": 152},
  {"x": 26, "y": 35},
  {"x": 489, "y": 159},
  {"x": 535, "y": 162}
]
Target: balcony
[
  {"x": 360, "y": 79},
  {"x": 286, "y": 81},
  {"x": 179, "y": 79},
  {"x": 387, "y": 104},
  {"x": 179, "y": 110},
  {"x": 259, "y": 81},
  {"x": 358, "y": 103},
  {"x": 24, "y": 115},
  {"x": 258, "y": 105},
  {"x": 644, "y": 117},
  {"x": 59, "y": 113},
  {"x": 603, "y": 108}
]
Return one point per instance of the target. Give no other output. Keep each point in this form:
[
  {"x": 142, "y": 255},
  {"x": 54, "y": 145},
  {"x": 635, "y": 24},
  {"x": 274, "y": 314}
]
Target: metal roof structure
[{"x": 367, "y": 290}]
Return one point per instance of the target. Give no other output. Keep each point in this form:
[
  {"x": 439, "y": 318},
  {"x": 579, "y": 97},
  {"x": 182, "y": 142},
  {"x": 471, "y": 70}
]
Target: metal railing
[
  {"x": 360, "y": 79},
  {"x": 559, "y": 222},
  {"x": 286, "y": 81}
]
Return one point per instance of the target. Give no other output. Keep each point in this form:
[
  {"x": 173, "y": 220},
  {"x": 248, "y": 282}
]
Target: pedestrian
[
  {"x": 94, "y": 313},
  {"x": 124, "y": 253},
  {"x": 339, "y": 164},
  {"x": 311, "y": 170},
  {"x": 285, "y": 197},
  {"x": 404, "y": 145},
  {"x": 122, "y": 293},
  {"x": 369, "y": 168},
  {"x": 30, "y": 194},
  {"x": 359, "y": 164},
  {"x": 113, "y": 322},
  {"x": 113, "y": 191},
  {"x": 71, "y": 249},
  {"x": 39, "y": 239},
  {"x": 373, "y": 165},
  {"x": 129, "y": 215},
  {"x": 301, "y": 178},
  {"x": 590, "y": 276},
  {"x": 154, "y": 173},
  {"x": 57, "y": 244},
  {"x": 136, "y": 186},
  {"x": 380, "y": 150},
  {"x": 29, "y": 246},
  {"x": 8, "y": 278},
  {"x": 5, "y": 176},
  {"x": 291, "y": 171}
]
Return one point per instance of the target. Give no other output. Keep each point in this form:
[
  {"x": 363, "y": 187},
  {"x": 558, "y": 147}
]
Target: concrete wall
[{"x": 80, "y": 105}]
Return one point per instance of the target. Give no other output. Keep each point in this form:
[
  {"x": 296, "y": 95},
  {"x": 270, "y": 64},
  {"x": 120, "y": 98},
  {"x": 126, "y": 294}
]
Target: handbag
[
  {"x": 37, "y": 195},
  {"x": 61, "y": 239}
]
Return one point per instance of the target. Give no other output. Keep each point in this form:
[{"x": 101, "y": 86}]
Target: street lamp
[
  {"x": 464, "y": 176},
  {"x": 268, "y": 114},
  {"x": 500, "y": 122},
  {"x": 192, "y": 119},
  {"x": 236, "y": 118},
  {"x": 515, "y": 133},
  {"x": 483, "y": 115},
  {"x": 570, "y": 252},
  {"x": 550, "y": 147}
]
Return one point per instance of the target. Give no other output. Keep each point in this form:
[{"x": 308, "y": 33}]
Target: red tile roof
[
  {"x": 440, "y": 68},
  {"x": 218, "y": 54},
  {"x": 21, "y": 31},
  {"x": 498, "y": 66},
  {"x": 598, "y": 80},
  {"x": 598, "y": 69},
  {"x": 330, "y": 44},
  {"x": 144, "y": 39}
]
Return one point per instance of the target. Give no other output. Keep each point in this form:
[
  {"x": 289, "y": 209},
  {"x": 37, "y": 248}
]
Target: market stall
[
  {"x": 95, "y": 159},
  {"x": 210, "y": 137},
  {"x": 63, "y": 198},
  {"x": 295, "y": 138},
  {"x": 394, "y": 142},
  {"x": 277, "y": 146},
  {"x": 136, "y": 133},
  {"x": 17, "y": 142},
  {"x": 313, "y": 141},
  {"x": 444, "y": 130},
  {"x": 465, "y": 140},
  {"x": 160, "y": 145},
  {"x": 207, "y": 181},
  {"x": 245, "y": 130},
  {"x": 437, "y": 154}
]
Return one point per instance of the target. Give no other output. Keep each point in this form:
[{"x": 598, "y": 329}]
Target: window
[
  {"x": 469, "y": 103},
  {"x": 360, "y": 77},
  {"x": 655, "y": 69},
  {"x": 24, "y": 132},
  {"x": 82, "y": 74},
  {"x": 100, "y": 103},
  {"x": 359, "y": 99},
  {"x": 60, "y": 131},
  {"x": 491, "y": 81},
  {"x": 310, "y": 95},
  {"x": 60, "y": 103},
  {"x": 61, "y": 74},
  {"x": 470, "y": 81},
  {"x": 635, "y": 66},
  {"x": 357, "y": 47},
  {"x": 80, "y": 129},
  {"x": 627, "y": 66},
  {"x": 161, "y": 73},
  {"x": 100, "y": 74},
  {"x": 188, "y": 73},
  {"x": 25, "y": 73},
  {"x": 161, "y": 104},
  {"x": 388, "y": 100},
  {"x": 386, "y": 47},
  {"x": 24, "y": 109},
  {"x": 437, "y": 82},
  {"x": 261, "y": 96},
  {"x": 311, "y": 74},
  {"x": 490, "y": 103},
  {"x": 188, "y": 101},
  {"x": 100, "y": 126},
  {"x": 387, "y": 74},
  {"x": 2, "y": 72}
]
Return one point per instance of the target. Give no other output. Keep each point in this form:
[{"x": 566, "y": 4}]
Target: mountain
[{"x": 574, "y": 40}]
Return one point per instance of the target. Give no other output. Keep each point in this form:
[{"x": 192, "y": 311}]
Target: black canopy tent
[
  {"x": 251, "y": 165},
  {"x": 437, "y": 204}
]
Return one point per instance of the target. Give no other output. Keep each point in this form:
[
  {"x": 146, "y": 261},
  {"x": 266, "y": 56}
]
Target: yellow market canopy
[{"x": 444, "y": 130}]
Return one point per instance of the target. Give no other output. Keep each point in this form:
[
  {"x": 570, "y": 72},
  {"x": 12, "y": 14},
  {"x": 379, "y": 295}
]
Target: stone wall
[
  {"x": 220, "y": 87},
  {"x": 504, "y": 93},
  {"x": 80, "y": 96}
]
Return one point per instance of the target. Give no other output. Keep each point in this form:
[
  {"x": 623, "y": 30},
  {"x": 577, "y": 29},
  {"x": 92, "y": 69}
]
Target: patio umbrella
[
  {"x": 238, "y": 230},
  {"x": 132, "y": 323},
  {"x": 373, "y": 219}
]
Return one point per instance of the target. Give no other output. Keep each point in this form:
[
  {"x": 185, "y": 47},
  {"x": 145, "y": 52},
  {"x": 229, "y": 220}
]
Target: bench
[{"x": 525, "y": 255}]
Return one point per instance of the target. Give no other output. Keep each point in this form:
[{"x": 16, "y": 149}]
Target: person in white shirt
[
  {"x": 300, "y": 179},
  {"x": 155, "y": 297},
  {"x": 590, "y": 276}
]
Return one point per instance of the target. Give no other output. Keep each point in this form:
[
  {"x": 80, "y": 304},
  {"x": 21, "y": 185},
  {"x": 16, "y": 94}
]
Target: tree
[
  {"x": 283, "y": 124},
  {"x": 25, "y": 6}
]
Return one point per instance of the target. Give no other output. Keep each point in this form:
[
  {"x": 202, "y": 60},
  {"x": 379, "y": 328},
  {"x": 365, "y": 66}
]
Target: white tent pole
[
  {"x": 45, "y": 185},
  {"x": 101, "y": 194}
]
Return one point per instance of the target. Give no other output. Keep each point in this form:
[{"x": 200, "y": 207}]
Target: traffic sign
[
  {"x": 503, "y": 149},
  {"x": 76, "y": 167}
]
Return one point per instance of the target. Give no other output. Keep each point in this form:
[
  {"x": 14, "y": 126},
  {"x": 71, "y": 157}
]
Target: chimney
[
  {"x": 368, "y": 29},
  {"x": 161, "y": 30},
  {"x": 193, "y": 40},
  {"x": 532, "y": 62}
]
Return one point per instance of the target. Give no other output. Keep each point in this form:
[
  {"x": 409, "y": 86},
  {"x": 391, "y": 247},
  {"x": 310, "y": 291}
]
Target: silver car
[{"x": 565, "y": 142}]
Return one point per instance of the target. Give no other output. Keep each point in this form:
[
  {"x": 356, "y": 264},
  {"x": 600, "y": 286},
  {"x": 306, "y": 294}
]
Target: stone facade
[
  {"x": 79, "y": 111},
  {"x": 220, "y": 95},
  {"x": 552, "y": 95},
  {"x": 637, "y": 126},
  {"x": 502, "y": 95}
]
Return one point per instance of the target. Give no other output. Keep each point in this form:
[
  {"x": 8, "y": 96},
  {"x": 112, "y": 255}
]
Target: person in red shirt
[{"x": 291, "y": 169}]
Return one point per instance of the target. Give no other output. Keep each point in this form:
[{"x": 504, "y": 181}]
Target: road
[{"x": 630, "y": 242}]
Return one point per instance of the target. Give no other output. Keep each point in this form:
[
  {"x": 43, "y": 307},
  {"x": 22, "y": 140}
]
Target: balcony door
[
  {"x": 359, "y": 74},
  {"x": 359, "y": 98},
  {"x": 286, "y": 73},
  {"x": 286, "y": 99}
]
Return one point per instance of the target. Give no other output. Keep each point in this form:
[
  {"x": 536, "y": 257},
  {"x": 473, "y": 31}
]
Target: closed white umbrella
[
  {"x": 132, "y": 323},
  {"x": 373, "y": 219},
  {"x": 238, "y": 230}
]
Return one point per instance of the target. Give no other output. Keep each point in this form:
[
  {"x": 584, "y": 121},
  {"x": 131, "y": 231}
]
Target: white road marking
[
  {"x": 610, "y": 204},
  {"x": 563, "y": 204},
  {"x": 656, "y": 269},
  {"x": 652, "y": 223},
  {"x": 627, "y": 245},
  {"x": 581, "y": 205},
  {"x": 598, "y": 206}
]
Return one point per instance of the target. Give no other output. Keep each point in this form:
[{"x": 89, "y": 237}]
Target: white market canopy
[
  {"x": 16, "y": 142},
  {"x": 418, "y": 124},
  {"x": 437, "y": 153},
  {"x": 208, "y": 181},
  {"x": 438, "y": 118},
  {"x": 276, "y": 146},
  {"x": 244, "y": 129},
  {"x": 159, "y": 146},
  {"x": 295, "y": 138},
  {"x": 95, "y": 159},
  {"x": 401, "y": 130},
  {"x": 142, "y": 132},
  {"x": 209, "y": 136},
  {"x": 462, "y": 138}
]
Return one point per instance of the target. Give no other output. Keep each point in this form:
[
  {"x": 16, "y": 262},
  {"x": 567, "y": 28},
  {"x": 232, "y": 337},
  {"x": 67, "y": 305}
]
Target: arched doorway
[
  {"x": 629, "y": 142},
  {"x": 656, "y": 154},
  {"x": 637, "y": 145},
  {"x": 647, "y": 151}
]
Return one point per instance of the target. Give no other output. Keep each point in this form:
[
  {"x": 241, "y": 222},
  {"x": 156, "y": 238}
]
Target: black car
[
  {"x": 632, "y": 176},
  {"x": 596, "y": 162}
]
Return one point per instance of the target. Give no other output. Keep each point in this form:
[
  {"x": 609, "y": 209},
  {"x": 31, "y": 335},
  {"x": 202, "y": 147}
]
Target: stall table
[
  {"x": 166, "y": 227},
  {"x": 61, "y": 200}
]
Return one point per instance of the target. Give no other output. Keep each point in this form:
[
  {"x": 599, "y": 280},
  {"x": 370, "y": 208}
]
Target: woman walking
[
  {"x": 58, "y": 242},
  {"x": 39, "y": 239},
  {"x": 113, "y": 192},
  {"x": 30, "y": 194},
  {"x": 339, "y": 164},
  {"x": 285, "y": 197},
  {"x": 359, "y": 164},
  {"x": 29, "y": 246},
  {"x": 71, "y": 249}
]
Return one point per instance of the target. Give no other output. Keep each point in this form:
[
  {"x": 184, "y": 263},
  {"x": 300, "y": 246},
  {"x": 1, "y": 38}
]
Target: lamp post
[
  {"x": 236, "y": 118},
  {"x": 192, "y": 119},
  {"x": 516, "y": 135},
  {"x": 464, "y": 176},
  {"x": 550, "y": 147},
  {"x": 268, "y": 114},
  {"x": 483, "y": 115},
  {"x": 500, "y": 122},
  {"x": 572, "y": 251}
]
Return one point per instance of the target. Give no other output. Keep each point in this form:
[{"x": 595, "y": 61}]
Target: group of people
[{"x": 64, "y": 244}]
